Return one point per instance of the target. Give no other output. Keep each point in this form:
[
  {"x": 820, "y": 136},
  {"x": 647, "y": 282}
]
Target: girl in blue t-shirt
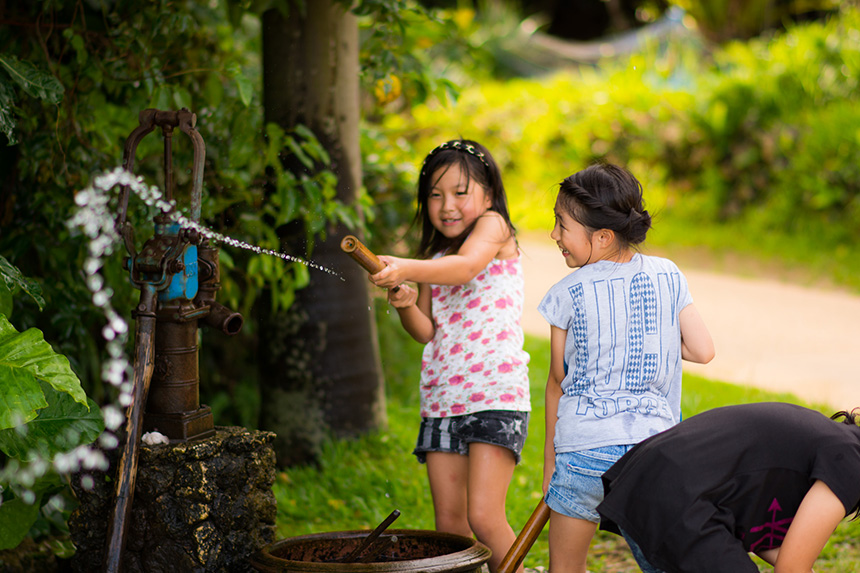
[{"x": 620, "y": 325}]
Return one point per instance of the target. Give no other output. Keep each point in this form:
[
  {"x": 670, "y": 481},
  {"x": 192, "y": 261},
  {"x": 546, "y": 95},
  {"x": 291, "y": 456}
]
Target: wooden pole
[
  {"x": 127, "y": 474},
  {"x": 524, "y": 541}
]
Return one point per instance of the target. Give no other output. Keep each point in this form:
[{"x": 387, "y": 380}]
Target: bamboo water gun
[{"x": 363, "y": 256}]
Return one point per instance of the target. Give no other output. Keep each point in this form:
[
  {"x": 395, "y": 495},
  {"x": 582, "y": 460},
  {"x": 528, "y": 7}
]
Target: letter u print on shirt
[{"x": 632, "y": 318}]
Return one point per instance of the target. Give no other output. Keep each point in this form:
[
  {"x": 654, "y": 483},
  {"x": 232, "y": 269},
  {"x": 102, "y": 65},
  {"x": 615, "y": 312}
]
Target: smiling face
[
  {"x": 573, "y": 239},
  {"x": 455, "y": 201}
]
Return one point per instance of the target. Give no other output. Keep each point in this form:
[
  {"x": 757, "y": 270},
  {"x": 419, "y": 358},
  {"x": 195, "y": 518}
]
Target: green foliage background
[
  {"x": 750, "y": 146},
  {"x": 747, "y": 146}
]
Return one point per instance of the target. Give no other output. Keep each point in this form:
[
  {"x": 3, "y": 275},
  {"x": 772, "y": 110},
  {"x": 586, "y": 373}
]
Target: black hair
[
  {"x": 606, "y": 196},
  {"x": 476, "y": 163},
  {"x": 850, "y": 419}
]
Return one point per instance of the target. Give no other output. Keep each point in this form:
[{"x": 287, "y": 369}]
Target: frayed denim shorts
[
  {"x": 453, "y": 434},
  {"x": 576, "y": 487}
]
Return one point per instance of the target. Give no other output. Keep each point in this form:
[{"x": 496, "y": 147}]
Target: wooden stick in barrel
[
  {"x": 363, "y": 256},
  {"x": 524, "y": 541}
]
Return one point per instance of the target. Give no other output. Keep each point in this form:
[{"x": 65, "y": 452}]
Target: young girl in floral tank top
[{"x": 467, "y": 309}]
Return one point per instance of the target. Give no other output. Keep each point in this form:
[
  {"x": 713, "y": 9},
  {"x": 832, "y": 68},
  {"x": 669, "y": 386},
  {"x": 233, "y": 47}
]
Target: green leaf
[
  {"x": 16, "y": 518},
  {"x": 161, "y": 98},
  {"x": 181, "y": 97},
  {"x": 36, "y": 83},
  {"x": 25, "y": 358},
  {"x": 246, "y": 88},
  {"x": 7, "y": 120},
  {"x": 299, "y": 152},
  {"x": 5, "y": 299},
  {"x": 13, "y": 278},
  {"x": 20, "y": 396},
  {"x": 60, "y": 427}
]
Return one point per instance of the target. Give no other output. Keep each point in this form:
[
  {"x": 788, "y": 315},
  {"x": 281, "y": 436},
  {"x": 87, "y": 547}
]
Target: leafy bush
[
  {"x": 753, "y": 141},
  {"x": 46, "y": 417},
  {"x": 722, "y": 20}
]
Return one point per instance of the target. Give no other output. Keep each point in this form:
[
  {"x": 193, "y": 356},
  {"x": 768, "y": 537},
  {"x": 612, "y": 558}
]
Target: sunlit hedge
[{"x": 762, "y": 134}]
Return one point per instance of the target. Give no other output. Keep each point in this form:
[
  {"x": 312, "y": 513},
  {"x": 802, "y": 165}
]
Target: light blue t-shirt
[{"x": 622, "y": 355}]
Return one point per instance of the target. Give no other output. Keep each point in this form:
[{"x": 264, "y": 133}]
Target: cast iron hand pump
[{"x": 178, "y": 274}]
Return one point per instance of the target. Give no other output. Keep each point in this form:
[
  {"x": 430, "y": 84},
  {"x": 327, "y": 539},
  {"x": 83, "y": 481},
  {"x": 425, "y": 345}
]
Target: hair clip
[{"x": 459, "y": 146}]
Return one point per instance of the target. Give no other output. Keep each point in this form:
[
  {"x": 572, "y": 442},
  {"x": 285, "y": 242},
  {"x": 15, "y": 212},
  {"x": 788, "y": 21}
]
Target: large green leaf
[
  {"x": 25, "y": 359},
  {"x": 60, "y": 427},
  {"x": 16, "y": 517},
  {"x": 20, "y": 397},
  {"x": 32, "y": 80}
]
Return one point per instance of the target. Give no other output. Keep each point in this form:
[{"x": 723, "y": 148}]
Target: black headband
[{"x": 459, "y": 146}]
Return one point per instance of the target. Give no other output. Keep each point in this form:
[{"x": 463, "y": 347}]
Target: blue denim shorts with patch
[
  {"x": 576, "y": 487},
  {"x": 453, "y": 434}
]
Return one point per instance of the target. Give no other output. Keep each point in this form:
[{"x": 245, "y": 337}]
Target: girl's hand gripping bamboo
[{"x": 363, "y": 256}]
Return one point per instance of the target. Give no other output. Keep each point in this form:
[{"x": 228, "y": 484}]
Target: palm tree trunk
[{"x": 319, "y": 362}]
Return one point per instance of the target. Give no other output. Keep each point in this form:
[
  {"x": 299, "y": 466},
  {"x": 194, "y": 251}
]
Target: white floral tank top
[{"x": 476, "y": 360}]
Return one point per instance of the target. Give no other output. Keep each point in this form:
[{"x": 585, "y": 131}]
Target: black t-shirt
[{"x": 700, "y": 495}]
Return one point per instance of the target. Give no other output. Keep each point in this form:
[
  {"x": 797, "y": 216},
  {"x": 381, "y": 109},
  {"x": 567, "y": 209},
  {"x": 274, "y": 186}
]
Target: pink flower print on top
[{"x": 475, "y": 363}]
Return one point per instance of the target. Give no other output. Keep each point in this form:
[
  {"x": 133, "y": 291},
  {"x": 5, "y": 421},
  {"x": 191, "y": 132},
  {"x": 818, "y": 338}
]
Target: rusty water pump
[{"x": 177, "y": 272}]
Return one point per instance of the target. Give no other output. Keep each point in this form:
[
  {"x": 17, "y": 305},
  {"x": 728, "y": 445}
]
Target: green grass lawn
[{"x": 359, "y": 482}]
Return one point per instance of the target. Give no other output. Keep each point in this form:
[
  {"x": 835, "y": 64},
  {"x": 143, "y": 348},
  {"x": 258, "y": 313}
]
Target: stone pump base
[{"x": 199, "y": 506}]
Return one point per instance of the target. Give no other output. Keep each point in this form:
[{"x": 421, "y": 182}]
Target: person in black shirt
[{"x": 772, "y": 479}]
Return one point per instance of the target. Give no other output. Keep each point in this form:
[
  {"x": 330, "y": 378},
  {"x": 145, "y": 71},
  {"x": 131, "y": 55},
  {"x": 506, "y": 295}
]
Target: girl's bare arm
[
  {"x": 696, "y": 342},
  {"x": 552, "y": 396},
  {"x": 491, "y": 235},
  {"x": 817, "y": 517},
  {"x": 414, "y": 310}
]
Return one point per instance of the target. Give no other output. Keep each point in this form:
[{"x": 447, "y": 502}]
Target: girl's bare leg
[
  {"x": 569, "y": 539},
  {"x": 490, "y": 471},
  {"x": 449, "y": 474}
]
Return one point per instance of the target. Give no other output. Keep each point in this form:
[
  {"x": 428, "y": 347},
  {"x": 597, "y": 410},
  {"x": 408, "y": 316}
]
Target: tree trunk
[{"x": 319, "y": 362}]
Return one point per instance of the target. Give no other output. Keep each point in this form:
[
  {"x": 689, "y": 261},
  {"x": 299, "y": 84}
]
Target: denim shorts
[
  {"x": 453, "y": 434},
  {"x": 576, "y": 489}
]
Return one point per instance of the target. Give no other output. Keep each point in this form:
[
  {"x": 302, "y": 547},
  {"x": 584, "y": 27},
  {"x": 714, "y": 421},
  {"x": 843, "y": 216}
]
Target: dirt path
[{"x": 769, "y": 334}]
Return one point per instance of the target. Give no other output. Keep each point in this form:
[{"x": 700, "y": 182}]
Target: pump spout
[{"x": 222, "y": 318}]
